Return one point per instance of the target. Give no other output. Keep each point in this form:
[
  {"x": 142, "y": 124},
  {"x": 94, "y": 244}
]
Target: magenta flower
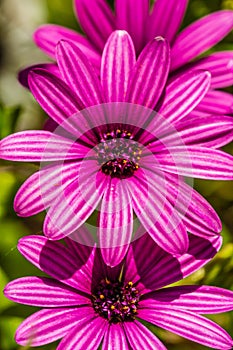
[
  {"x": 86, "y": 302},
  {"x": 122, "y": 156},
  {"x": 143, "y": 24}
]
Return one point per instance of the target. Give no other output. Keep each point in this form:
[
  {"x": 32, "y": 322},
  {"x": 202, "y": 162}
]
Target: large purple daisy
[
  {"x": 143, "y": 24},
  {"x": 86, "y": 303},
  {"x": 122, "y": 156}
]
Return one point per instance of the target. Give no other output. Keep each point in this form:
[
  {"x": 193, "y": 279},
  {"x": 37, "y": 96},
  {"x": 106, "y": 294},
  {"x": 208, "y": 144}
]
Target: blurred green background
[{"x": 19, "y": 111}]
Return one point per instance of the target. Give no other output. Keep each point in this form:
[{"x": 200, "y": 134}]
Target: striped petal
[
  {"x": 78, "y": 73},
  {"x": 200, "y": 36},
  {"x": 183, "y": 95},
  {"x": 39, "y": 146},
  {"x": 90, "y": 14},
  {"x": 198, "y": 299},
  {"x": 188, "y": 325},
  {"x": 115, "y": 338},
  {"x": 115, "y": 225},
  {"x": 47, "y": 36},
  {"x": 117, "y": 61},
  {"x": 131, "y": 16},
  {"x": 50, "y": 67},
  {"x": 44, "y": 292},
  {"x": 149, "y": 74},
  {"x": 48, "y": 325},
  {"x": 165, "y": 18}
]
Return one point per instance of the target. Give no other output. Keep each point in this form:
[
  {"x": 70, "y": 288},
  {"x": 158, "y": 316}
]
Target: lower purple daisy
[{"x": 87, "y": 304}]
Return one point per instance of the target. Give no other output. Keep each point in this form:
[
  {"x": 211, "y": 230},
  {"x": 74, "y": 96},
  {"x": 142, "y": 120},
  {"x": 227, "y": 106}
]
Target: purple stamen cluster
[
  {"x": 115, "y": 301},
  {"x": 118, "y": 154}
]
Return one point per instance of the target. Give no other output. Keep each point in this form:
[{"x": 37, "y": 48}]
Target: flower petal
[
  {"x": 117, "y": 61},
  {"x": 50, "y": 67},
  {"x": 78, "y": 73},
  {"x": 39, "y": 146},
  {"x": 76, "y": 203},
  {"x": 47, "y": 36},
  {"x": 115, "y": 225},
  {"x": 90, "y": 14},
  {"x": 115, "y": 338},
  {"x": 48, "y": 325},
  {"x": 141, "y": 337},
  {"x": 87, "y": 334},
  {"x": 188, "y": 325},
  {"x": 149, "y": 74},
  {"x": 200, "y": 36},
  {"x": 131, "y": 16},
  {"x": 183, "y": 95},
  {"x": 198, "y": 299},
  {"x": 44, "y": 292},
  {"x": 165, "y": 18}
]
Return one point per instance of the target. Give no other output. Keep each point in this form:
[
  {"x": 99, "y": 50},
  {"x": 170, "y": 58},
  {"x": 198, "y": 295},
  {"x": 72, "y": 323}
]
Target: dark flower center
[
  {"x": 118, "y": 154},
  {"x": 115, "y": 301}
]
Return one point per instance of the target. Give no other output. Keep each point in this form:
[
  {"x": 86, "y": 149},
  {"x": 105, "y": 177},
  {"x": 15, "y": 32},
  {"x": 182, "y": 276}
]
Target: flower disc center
[{"x": 115, "y": 301}]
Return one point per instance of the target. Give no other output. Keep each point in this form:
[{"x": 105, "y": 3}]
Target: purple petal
[
  {"x": 39, "y": 146},
  {"x": 48, "y": 325},
  {"x": 90, "y": 15},
  {"x": 115, "y": 338},
  {"x": 200, "y": 36},
  {"x": 117, "y": 61},
  {"x": 149, "y": 75},
  {"x": 23, "y": 74},
  {"x": 78, "y": 73},
  {"x": 214, "y": 102},
  {"x": 165, "y": 18},
  {"x": 57, "y": 261},
  {"x": 141, "y": 337},
  {"x": 87, "y": 334},
  {"x": 198, "y": 299},
  {"x": 131, "y": 16},
  {"x": 76, "y": 203},
  {"x": 183, "y": 95},
  {"x": 47, "y": 36},
  {"x": 197, "y": 162},
  {"x": 115, "y": 225},
  {"x": 220, "y": 66},
  {"x": 44, "y": 292},
  {"x": 188, "y": 325}
]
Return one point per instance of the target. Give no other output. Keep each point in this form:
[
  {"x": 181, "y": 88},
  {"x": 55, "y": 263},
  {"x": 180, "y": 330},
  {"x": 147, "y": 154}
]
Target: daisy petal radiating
[
  {"x": 117, "y": 61},
  {"x": 199, "y": 299},
  {"x": 200, "y": 36},
  {"x": 87, "y": 334},
  {"x": 115, "y": 222},
  {"x": 78, "y": 73},
  {"x": 48, "y": 325},
  {"x": 56, "y": 260},
  {"x": 141, "y": 337},
  {"x": 39, "y": 146},
  {"x": 214, "y": 102},
  {"x": 188, "y": 325},
  {"x": 131, "y": 16},
  {"x": 198, "y": 162},
  {"x": 183, "y": 95},
  {"x": 165, "y": 18},
  {"x": 50, "y": 67},
  {"x": 149, "y": 74},
  {"x": 115, "y": 338},
  {"x": 76, "y": 203},
  {"x": 44, "y": 292},
  {"x": 47, "y": 36},
  {"x": 90, "y": 14}
]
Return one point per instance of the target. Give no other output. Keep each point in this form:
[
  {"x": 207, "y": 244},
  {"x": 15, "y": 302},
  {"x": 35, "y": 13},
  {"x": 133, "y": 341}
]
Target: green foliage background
[{"x": 19, "y": 111}]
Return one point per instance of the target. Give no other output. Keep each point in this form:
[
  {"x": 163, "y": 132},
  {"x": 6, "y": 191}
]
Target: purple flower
[
  {"x": 122, "y": 156},
  {"x": 98, "y": 22},
  {"x": 86, "y": 302}
]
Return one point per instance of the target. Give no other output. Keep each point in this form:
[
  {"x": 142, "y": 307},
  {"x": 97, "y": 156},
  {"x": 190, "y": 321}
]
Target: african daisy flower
[
  {"x": 122, "y": 157},
  {"x": 143, "y": 24},
  {"x": 87, "y": 303}
]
